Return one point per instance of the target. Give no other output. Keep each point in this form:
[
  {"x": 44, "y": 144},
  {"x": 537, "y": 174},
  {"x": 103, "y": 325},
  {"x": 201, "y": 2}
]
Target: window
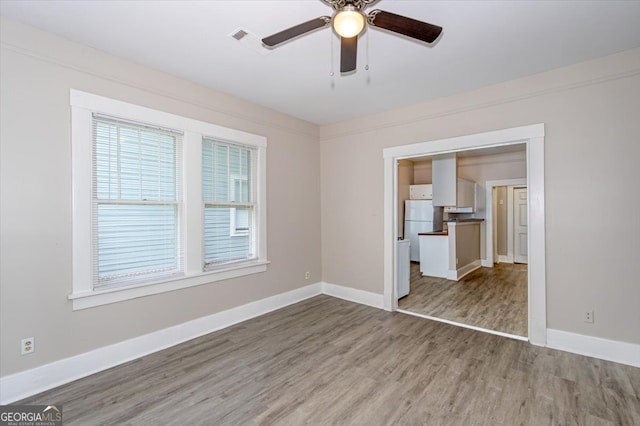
[
  {"x": 228, "y": 198},
  {"x": 161, "y": 202},
  {"x": 136, "y": 202}
]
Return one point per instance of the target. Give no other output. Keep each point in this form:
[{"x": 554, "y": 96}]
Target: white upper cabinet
[
  {"x": 466, "y": 193},
  {"x": 444, "y": 179},
  {"x": 421, "y": 192},
  {"x": 449, "y": 190}
]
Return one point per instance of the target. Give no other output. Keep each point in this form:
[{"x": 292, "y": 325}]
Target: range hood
[{"x": 455, "y": 209}]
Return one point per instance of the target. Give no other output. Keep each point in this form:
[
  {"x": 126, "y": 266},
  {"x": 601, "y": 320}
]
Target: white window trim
[{"x": 83, "y": 105}]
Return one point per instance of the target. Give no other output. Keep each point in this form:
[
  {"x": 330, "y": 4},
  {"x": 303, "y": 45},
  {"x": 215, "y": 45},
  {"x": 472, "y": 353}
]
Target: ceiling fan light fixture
[{"x": 348, "y": 22}]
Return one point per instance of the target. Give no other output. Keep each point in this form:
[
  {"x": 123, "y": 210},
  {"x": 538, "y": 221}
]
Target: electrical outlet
[
  {"x": 27, "y": 345},
  {"x": 588, "y": 317},
  {"x": 307, "y": 275}
]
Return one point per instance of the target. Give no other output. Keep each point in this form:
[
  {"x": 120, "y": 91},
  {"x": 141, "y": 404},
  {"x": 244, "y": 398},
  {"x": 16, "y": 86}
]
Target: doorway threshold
[{"x": 459, "y": 324}]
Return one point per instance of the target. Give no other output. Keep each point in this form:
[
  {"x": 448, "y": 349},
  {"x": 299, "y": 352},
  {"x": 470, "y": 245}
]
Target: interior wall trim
[
  {"x": 353, "y": 295},
  {"x": 23, "y": 384},
  {"x": 458, "y": 104},
  {"x": 458, "y": 274},
  {"x": 533, "y": 136},
  {"x": 26, "y": 383},
  {"x": 41, "y": 53},
  {"x": 490, "y": 213},
  {"x": 31, "y": 382},
  {"x": 596, "y": 347}
]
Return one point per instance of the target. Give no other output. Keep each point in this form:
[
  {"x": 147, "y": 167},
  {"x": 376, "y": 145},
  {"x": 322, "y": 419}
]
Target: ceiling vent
[
  {"x": 239, "y": 34},
  {"x": 249, "y": 40}
]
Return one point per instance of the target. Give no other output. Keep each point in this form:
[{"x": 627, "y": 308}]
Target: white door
[{"x": 520, "y": 229}]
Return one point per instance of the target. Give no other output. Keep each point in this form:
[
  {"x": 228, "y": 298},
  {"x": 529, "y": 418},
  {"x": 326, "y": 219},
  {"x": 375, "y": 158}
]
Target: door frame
[
  {"x": 533, "y": 137},
  {"x": 512, "y": 226},
  {"x": 490, "y": 185}
]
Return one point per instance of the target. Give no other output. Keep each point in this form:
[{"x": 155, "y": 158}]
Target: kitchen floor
[{"x": 491, "y": 298}]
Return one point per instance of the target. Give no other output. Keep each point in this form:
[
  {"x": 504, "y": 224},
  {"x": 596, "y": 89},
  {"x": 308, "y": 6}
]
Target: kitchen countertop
[
  {"x": 463, "y": 220},
  {"x": 438, "y": 233}
]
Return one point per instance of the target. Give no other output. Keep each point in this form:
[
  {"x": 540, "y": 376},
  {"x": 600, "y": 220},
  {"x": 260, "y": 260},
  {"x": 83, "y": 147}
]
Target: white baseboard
[
  {"x": 486, "y": 263},
  {"x": 596, "y": 347},
  {"x": 354, "y": 295},
  {"x": 30, "y": 382},
  {"x": 459, "y": 273},
  {"x": 505, "y": 259}
]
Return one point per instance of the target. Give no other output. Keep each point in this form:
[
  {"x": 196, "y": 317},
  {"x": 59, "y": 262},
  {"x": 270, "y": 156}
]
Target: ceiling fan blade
[
  {"x": 405, "y": 26},
  {"x": 348, "y": 53},
  {"x": 295, "y": 31}
]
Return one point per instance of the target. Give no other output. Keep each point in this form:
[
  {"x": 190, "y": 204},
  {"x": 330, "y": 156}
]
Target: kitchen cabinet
[
  {"x": 465, "y": 197},
  {"x": 452, "y": 254},
  {"x": 449, "y": 190},
  {"x": 434, "y": 255},
  {"x": 444, "y": 174},
  {"x": 466, "y": 193},
  {"x": 421, "y": 192}
]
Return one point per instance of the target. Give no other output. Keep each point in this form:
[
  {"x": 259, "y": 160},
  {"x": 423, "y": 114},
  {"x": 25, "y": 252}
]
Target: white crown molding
[
  {"x": 557, "y": 80},
  {"x": 86, "y": 57}
]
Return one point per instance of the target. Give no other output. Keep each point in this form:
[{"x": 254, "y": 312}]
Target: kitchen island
[{"x": 451, "y": 254}]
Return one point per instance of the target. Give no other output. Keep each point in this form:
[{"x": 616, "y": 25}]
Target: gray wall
[
  {"x": 590, "y": 114},
  {"x": 37, "y": 71}
]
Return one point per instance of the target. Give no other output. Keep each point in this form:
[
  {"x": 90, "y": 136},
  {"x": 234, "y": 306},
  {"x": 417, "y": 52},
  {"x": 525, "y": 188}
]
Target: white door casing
[
  {"x": 492, "y": 226},
  {"x": 533, "y": 137},
  {"x": 491, "y": 250},
  {"x": 520, "y": 227}
]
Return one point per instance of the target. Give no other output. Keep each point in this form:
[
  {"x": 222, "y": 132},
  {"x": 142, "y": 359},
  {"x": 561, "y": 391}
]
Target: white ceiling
[{"x": 483, "y": 42}]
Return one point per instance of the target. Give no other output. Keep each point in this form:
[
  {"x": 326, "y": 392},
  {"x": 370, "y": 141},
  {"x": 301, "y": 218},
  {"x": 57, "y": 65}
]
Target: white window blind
[
  {"x": 229, "y": 194},
  {"x": 136, "y": 202}
]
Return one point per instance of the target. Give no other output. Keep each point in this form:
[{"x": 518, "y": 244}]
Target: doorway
[
  {"x": 533, "y": 137},
  {"x": 497, "y": 192},
  {"x": 492, "y": 298}
]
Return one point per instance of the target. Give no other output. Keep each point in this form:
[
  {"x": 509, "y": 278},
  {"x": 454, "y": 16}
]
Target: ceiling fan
[{"x": 349, "y": 20}]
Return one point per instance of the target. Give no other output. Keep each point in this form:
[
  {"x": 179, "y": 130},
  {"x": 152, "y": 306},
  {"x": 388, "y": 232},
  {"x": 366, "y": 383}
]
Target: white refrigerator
[{"x": 418, "y": 217}]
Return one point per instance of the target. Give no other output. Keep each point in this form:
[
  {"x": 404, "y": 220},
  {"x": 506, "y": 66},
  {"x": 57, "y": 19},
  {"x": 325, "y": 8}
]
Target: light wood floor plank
[
  {"x": 329, "y": 361},
  {"x": 491, "y": 298}
]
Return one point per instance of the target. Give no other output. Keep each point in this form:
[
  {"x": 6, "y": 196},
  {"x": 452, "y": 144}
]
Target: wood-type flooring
[
  {"x": 326, "y": 361},
  {"x": 491, "y": 298}
]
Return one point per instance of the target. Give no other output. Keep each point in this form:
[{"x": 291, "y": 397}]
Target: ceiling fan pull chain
[
  {"x": 366, "y": 67},
  {"x": 331, "y": 73}
]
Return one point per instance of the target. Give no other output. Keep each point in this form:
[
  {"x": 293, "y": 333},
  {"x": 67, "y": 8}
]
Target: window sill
[{"x": 91, "y": 299}]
